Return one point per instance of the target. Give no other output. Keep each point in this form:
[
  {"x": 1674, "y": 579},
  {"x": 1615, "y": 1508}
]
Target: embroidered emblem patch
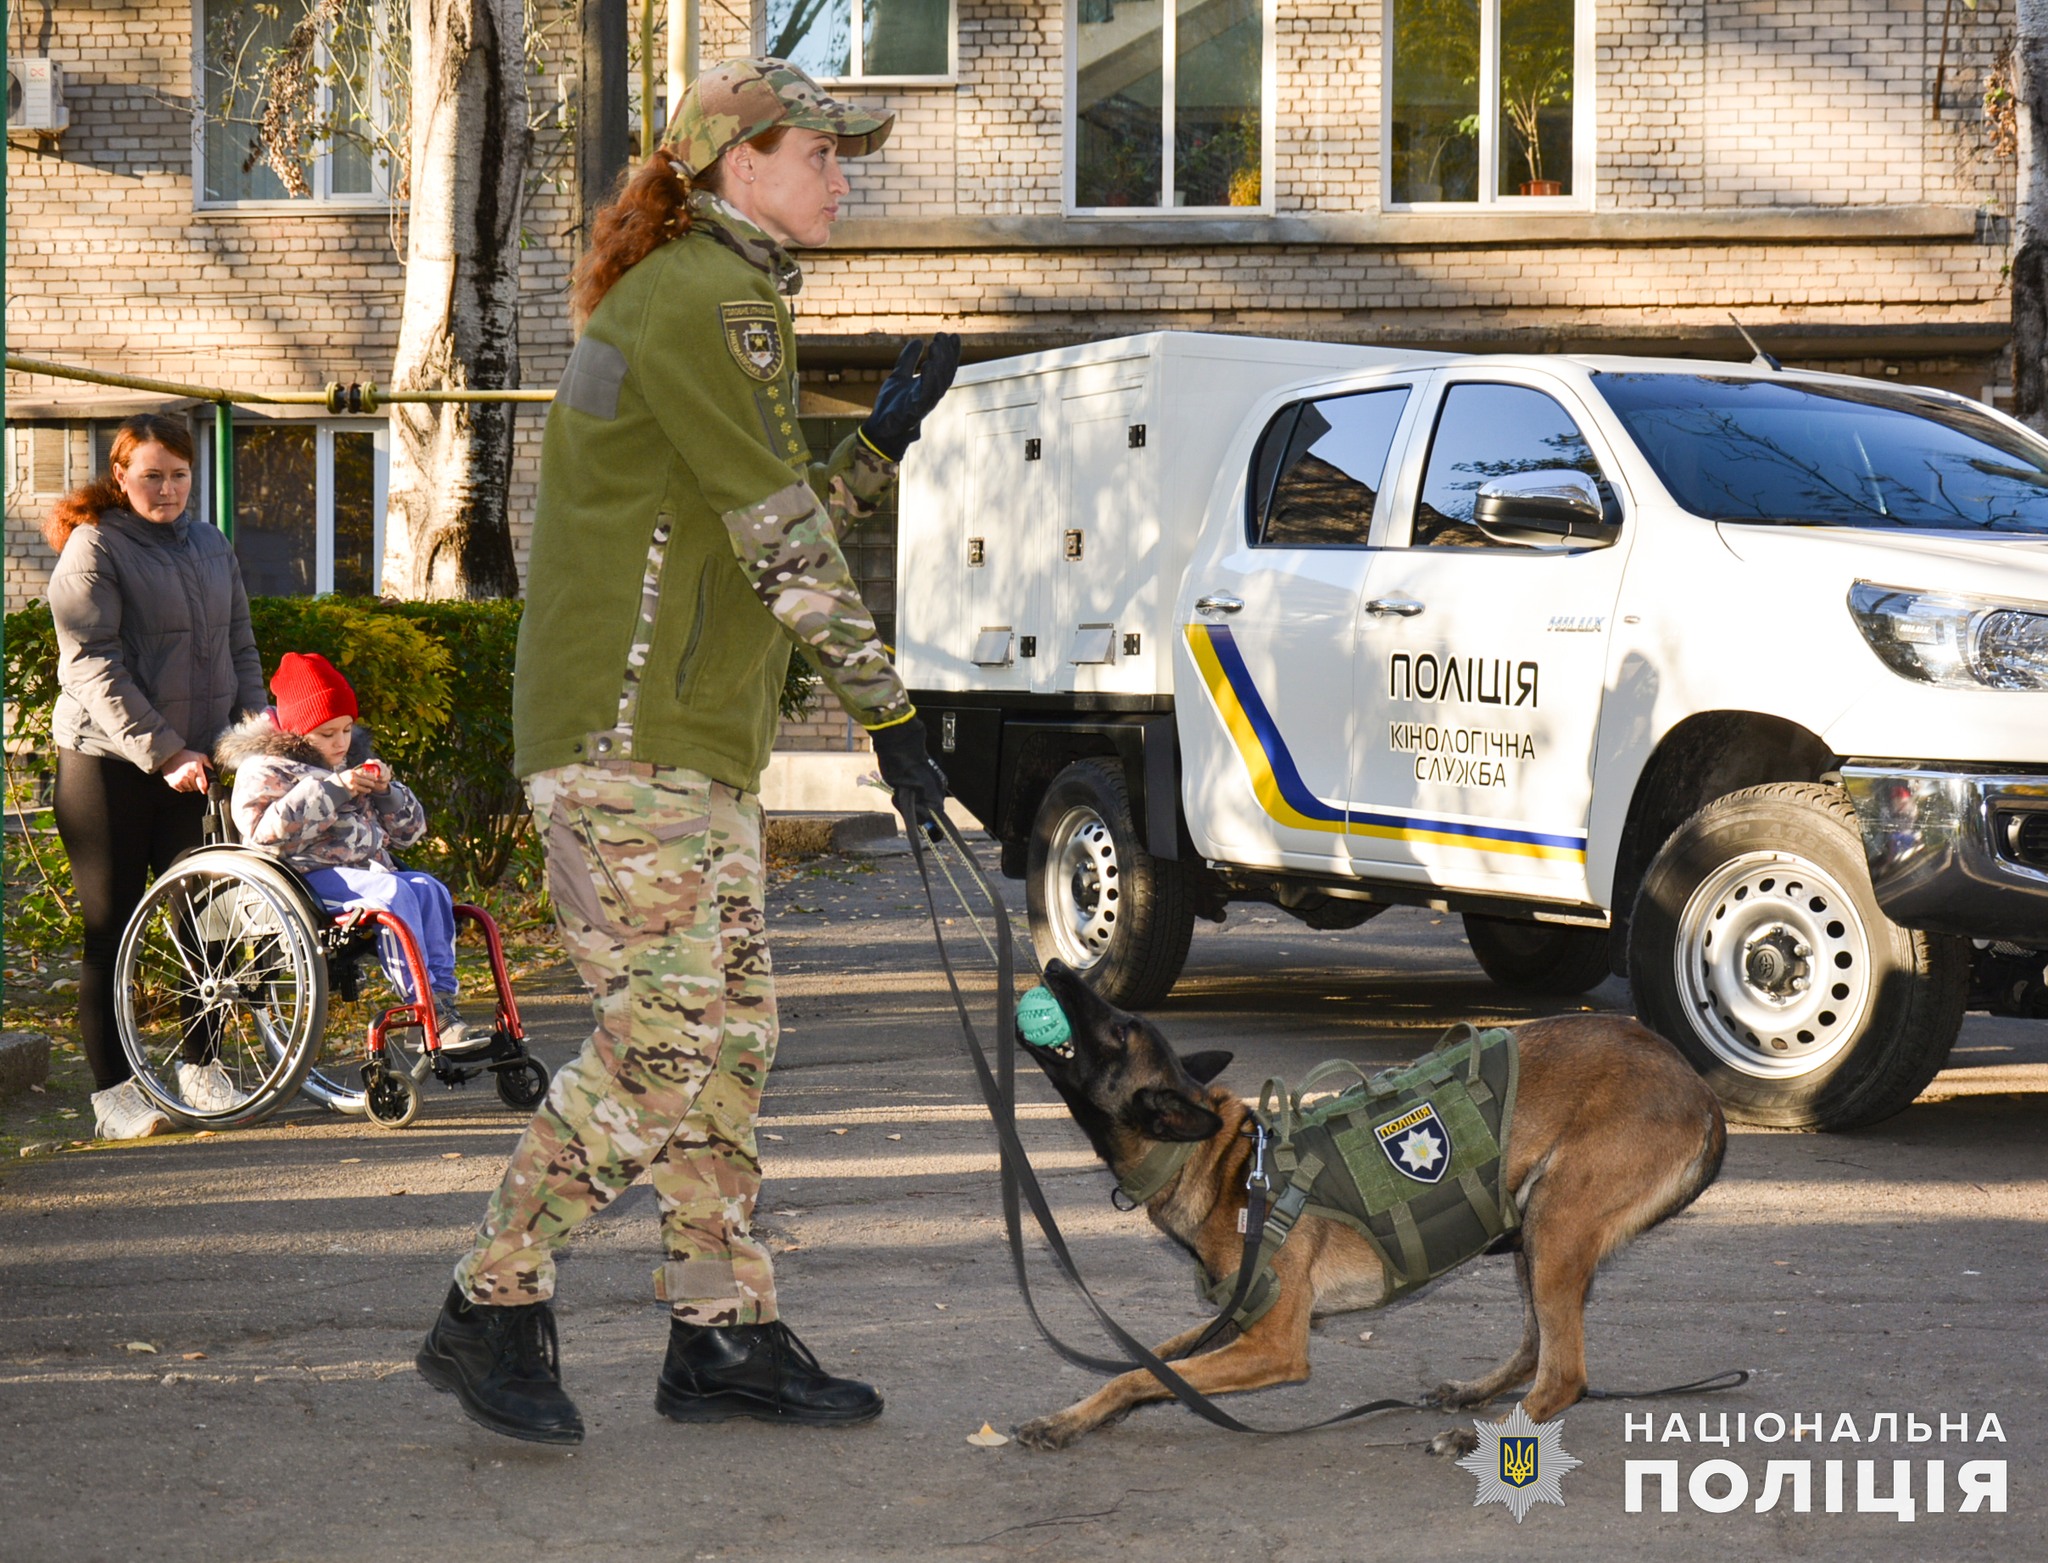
[
  {"x": 1417, "y": 1143},
  {"x": 754, "y": 338}
]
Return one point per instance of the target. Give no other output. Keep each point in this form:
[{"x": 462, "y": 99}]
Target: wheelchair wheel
[
  {"x": 221, "y": 959},
  {"x": 523, "y": 1085},
  {"x": 390, "y": 1096}
]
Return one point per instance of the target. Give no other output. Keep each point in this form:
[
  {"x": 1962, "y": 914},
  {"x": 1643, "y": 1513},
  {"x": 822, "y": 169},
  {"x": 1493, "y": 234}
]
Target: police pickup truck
[{"x": 1728, "y": 679}]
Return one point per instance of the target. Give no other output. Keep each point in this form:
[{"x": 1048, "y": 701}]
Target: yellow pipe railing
[{"x": 364, "y": 396}]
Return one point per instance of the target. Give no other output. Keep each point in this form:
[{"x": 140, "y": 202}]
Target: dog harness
[{"x": 1411, "y": 1159}]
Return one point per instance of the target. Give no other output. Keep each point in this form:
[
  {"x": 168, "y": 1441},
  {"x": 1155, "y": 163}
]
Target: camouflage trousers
[{"x": 656, "y": 878}]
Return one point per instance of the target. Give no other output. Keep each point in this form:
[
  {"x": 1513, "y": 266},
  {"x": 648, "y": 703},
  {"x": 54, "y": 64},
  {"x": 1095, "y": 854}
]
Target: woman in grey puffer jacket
[{"x": 154, "y": 659}]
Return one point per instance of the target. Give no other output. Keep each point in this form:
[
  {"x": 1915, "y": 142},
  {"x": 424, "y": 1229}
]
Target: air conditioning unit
[{"x": 35, "y": 95}]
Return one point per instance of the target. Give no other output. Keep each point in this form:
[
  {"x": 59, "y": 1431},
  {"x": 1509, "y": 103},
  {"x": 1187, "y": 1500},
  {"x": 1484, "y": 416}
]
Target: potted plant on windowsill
[{"x": 1540, "y": 80}]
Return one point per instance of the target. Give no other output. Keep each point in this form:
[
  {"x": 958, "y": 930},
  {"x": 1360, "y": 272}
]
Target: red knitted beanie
[{"x": 309, "y": 692}]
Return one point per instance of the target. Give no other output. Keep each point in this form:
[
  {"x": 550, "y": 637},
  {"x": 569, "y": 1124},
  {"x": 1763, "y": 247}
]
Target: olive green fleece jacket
[{"x": 683, "y": 539}]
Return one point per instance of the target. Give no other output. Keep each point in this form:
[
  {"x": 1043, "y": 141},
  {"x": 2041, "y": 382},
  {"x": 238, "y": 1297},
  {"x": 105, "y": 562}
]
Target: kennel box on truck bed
[{"x": 1049, "y": 507}]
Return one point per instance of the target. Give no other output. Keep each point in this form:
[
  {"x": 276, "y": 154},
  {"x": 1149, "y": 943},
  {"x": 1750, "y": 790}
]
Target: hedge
[{"x": 433, "y": 681}]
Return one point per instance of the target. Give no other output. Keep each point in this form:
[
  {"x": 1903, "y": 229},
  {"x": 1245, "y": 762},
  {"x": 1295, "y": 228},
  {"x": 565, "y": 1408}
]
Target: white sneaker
[
  {"x": 456, "y": 1036},
  {"x": 206, "y": 1088},
  {"x": 122, "y": 1112}
]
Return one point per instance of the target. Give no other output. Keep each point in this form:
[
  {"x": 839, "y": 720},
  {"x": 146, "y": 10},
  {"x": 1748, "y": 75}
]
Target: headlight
[{"x": 1956, "y": 642}]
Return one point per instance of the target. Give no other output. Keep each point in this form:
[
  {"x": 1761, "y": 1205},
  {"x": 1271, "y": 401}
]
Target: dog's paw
[
  {"x": 1046, "y": 1432},
  {"x": 1454, "y": 1442},
  {"x": 1457, "y": 1397}
]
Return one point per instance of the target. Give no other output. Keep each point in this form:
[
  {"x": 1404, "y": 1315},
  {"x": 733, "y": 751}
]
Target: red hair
[
  {"x": 651, "y": 208},
  {"x": 84, "y": 505}
]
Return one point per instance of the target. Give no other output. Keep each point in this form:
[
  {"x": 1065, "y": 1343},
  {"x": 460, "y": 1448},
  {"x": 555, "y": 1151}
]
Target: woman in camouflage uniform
[{"x": 683, "y": 540}]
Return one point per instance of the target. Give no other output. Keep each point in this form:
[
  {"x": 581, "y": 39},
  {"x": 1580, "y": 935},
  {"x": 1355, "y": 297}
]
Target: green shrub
[
  {"x": 475, "y": 809},
  {"x": 433, "y": 681},
  {"x": 401, "y": 671}
]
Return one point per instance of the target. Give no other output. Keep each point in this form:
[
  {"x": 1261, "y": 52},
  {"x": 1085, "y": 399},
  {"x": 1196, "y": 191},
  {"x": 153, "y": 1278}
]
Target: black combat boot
[
  {"x": 504, "y": 1366},
  {"x": 758, "y": 1370}
]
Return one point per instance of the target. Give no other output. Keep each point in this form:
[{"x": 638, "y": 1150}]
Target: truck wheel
[
  {"x": 1757, "y": 946},
  {"x": 1548, "y": 958},
  {"x": 1099, "y": 901}
]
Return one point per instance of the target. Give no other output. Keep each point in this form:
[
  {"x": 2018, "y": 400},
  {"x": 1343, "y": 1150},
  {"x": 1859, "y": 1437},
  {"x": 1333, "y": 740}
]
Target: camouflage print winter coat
[{"x": 287, "y": 801}]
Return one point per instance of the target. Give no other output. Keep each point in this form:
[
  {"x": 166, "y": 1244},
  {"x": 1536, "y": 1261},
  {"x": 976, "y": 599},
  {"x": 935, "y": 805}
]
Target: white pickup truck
[{"x": 1727, "y": 679}]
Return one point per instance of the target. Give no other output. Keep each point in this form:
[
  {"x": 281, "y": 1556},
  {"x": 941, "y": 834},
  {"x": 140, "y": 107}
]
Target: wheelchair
[{"x": 231, "y": 957}]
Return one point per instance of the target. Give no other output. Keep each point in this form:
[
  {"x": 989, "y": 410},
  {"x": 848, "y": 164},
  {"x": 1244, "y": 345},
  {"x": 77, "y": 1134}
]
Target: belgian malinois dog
[{"x": 1613, "y": 1132}]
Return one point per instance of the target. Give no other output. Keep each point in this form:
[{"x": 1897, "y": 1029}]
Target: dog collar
[{"x": 1155, "y": 1169}]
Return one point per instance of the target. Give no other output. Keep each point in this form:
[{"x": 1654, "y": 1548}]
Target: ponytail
[{"x": 652, "y": 207}]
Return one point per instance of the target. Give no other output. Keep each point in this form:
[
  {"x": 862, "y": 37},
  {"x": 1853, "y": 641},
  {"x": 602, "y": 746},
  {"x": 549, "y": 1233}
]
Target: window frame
[
  {"x": 1257, "y": 514},
  {"x": 323, "y": 198},
  {"x": 857, "y": 78},
  {"x": 1269, "y": 11},
  {"x": 1585, "y": 121},
  {"x": 1573, "y": 399},
  {"x": 324, "y": 430}
]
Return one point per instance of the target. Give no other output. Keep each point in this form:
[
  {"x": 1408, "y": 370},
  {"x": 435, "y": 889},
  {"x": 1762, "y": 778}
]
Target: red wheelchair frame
[{"x": 391, "y": 1093}]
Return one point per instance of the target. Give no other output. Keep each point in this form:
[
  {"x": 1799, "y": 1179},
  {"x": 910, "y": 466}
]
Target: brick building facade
[{"x": 1357, "y": 170}]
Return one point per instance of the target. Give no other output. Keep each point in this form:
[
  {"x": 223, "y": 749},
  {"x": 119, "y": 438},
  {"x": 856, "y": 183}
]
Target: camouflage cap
[{"x": 736, "y": 99}]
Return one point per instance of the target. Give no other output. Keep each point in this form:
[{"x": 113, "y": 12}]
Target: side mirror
[{"x": 1558, "y": 506}]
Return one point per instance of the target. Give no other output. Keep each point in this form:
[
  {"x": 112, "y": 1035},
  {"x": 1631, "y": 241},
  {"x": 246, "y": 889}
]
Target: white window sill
[
  {"x": 352, "y": 207},
  {"x": 887, "y": 83},
  {"x": 1116, "y": 214}
]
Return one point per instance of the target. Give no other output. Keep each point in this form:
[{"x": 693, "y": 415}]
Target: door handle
[
  {"x": 1399, "y": 607},
  {"x": 1218, "y": 602}
]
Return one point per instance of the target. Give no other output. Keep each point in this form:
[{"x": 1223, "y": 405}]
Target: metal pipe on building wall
[{"x": 364, "y": 397}]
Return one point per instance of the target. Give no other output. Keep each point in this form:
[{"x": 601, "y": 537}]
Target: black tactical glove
[
  {"x": 912, "y": 390},
  {"x": 917, "y": 784}
]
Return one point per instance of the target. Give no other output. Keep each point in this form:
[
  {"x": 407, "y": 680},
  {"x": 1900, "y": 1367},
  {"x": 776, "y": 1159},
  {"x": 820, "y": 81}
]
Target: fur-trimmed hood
[{"x": 259, "y": 735}]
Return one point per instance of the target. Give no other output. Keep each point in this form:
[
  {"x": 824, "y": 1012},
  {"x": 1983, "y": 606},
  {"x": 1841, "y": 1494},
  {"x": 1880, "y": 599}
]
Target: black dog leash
[{"x": 1019, "y": 1184}]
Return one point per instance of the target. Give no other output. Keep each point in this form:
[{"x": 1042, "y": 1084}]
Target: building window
[
  {"x": 863, "y": 40},
  {"x": 347, "y": 107},
  {"x": 309, "y": 507},
  {"x": 1488, "y": 101},
  {"x": 1168, "y": 103}
]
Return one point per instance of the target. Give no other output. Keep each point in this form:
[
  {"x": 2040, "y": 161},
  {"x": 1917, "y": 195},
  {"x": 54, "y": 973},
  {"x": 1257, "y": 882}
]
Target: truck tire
[
  {"x": 1547, "y": 958},
  {"x": 1758, "y": 947},
  {"x": 1099, "y": 901}
]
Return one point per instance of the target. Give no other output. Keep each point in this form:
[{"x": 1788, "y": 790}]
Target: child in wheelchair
[{"x": 308, "y": 788}]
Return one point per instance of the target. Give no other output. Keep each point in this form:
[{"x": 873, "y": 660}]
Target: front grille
[{"x": 2023, "y": 836}]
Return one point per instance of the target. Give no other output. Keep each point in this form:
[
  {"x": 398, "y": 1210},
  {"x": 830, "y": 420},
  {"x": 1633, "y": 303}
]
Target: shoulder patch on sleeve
[
  {"x": 593, "y": 378},
  {"x": 753, "y": 336}
]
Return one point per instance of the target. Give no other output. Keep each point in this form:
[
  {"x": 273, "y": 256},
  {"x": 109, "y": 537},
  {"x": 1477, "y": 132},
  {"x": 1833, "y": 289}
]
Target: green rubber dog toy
[{"x": 1042, "y": 1023}]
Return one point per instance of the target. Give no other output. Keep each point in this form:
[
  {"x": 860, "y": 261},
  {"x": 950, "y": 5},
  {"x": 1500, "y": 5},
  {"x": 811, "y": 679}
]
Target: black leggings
[{"x": 119, "y": 825}]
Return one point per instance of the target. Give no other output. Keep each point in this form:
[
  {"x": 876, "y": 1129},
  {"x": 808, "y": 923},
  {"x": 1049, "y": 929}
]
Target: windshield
[{"x": 1832, "y": 455}]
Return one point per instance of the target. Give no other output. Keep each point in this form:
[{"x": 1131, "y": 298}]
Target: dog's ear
[
  {"x": 1204, "y": 1067},
  {"x": 1162, "y": 1113}
]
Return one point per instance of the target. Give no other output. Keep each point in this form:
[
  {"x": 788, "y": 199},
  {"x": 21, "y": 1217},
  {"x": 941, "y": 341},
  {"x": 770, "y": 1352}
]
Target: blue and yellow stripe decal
[{"x": 1286, "y": 797}]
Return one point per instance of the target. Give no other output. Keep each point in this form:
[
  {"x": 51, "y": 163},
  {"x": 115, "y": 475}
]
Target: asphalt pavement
[{"x": 206, "y": 1343}]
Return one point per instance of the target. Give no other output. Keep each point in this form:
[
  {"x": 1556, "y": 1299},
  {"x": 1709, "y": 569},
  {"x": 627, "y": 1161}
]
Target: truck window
[
  {"x": 1317, "y": 473},
  {"x": 1485, "y": 432},
  {"x": 1813, "y": 453}
]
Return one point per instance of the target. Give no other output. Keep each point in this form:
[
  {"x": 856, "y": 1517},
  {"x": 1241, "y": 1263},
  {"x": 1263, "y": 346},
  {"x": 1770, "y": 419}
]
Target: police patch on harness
[
  {"x": 754, "y": 338},
  {"x": 1417, "y": 1143}
]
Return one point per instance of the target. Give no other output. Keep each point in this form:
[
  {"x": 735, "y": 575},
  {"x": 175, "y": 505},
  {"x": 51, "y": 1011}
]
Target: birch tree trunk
[
  {"x": 2030, "y": 227},
  {"x": 447, "y": 532}
]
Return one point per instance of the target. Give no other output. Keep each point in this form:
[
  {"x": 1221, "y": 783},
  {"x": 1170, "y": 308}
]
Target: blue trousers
[{"x": 420, "y": 901}]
